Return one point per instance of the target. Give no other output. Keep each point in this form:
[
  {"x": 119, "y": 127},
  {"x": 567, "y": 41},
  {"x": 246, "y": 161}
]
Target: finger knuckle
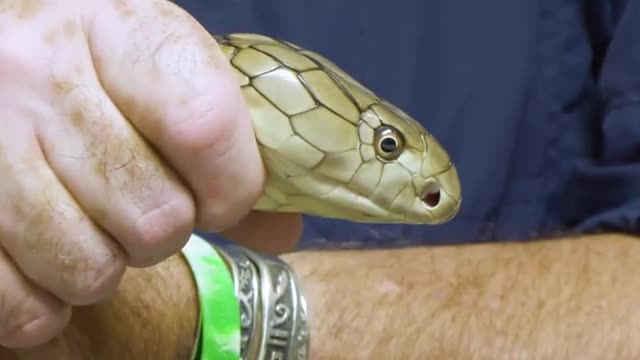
[
  {"x": 79, "y": 266},
  {"x": 21, "y": 52},
  {"x": 12, "y": 312},
  {"x": 162, "y": 231},
  {"x": 209, "y": 123},
  {"x": 29, "y": 323},
  {"x": 223, "y": 202},
  {"x": 96, "y": 279}
]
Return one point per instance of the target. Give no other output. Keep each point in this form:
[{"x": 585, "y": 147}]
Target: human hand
[{"x": 121, "y": 128}]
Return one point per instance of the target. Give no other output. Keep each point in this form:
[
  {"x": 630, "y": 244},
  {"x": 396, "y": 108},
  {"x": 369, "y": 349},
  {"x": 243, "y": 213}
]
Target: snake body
[{"x": 331, "y": 147}]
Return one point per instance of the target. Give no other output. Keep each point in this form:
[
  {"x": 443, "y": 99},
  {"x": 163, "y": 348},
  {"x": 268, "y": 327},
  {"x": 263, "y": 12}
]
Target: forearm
[{"x": 555, "y": 299}]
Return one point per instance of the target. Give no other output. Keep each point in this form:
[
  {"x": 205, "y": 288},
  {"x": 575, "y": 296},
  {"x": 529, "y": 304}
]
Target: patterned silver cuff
[{"x": 273, "y": 309}]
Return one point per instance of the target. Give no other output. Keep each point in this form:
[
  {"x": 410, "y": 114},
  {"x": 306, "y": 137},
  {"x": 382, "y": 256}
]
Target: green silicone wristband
[{"x": 219, "y": 330}]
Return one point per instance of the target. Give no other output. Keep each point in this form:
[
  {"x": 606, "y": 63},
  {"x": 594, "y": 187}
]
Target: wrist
[{"x": 153, "y": 315}]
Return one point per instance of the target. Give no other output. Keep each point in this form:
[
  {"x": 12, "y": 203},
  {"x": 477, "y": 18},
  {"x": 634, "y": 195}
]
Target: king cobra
[{"x": 333, "y": 148}]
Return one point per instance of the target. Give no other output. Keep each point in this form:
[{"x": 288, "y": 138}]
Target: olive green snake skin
[{"x": 331, "y": 147}]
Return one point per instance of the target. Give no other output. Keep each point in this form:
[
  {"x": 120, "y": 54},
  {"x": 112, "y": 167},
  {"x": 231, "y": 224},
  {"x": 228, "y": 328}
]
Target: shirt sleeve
[{"x": 612, "y": 182}]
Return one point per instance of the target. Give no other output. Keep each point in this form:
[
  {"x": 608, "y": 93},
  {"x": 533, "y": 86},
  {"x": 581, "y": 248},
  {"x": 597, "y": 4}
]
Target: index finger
[{"x": 170, "y": 79}]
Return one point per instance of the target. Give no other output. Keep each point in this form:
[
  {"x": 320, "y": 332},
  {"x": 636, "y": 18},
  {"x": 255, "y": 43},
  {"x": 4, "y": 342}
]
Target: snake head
[
  {"x": 331, "y": 147},
  {"x": 416, "y": 180}
]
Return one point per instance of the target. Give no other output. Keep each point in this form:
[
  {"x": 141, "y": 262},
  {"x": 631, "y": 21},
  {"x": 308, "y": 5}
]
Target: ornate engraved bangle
[
  {"x": 284, "y": 326},
  {"x": 273, "y": 311},
  {"x": 246, "y": 280}
]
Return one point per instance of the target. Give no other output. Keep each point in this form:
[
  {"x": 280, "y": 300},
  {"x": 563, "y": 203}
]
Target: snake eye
[{"x": 388, "y": 142}]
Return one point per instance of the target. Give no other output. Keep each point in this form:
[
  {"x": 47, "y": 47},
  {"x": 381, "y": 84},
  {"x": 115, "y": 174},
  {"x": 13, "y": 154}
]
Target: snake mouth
[{"x": 432, "y": 196}]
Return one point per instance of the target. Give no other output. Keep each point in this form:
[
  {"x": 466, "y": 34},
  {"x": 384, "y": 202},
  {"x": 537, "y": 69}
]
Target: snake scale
[{"x": 331, "y": 147}]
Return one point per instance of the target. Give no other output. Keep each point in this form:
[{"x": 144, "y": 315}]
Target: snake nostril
[{"x": 432, "y": 197}]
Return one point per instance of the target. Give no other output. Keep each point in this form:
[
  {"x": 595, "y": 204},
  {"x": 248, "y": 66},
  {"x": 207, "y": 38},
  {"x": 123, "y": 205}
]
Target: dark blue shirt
[{"x": 538, "y": 103}]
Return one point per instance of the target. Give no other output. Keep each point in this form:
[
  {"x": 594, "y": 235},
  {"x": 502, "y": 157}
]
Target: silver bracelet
[
  {"x": 284, "y": 322},
  {"x": 246, "y": 282},
  {"x": 273, "y": 310}
]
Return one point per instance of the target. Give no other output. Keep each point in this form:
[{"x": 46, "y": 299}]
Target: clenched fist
[{"x": 121, "y": 129}]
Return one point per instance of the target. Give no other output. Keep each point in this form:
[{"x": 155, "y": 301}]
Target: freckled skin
[
  {"x": 50, "y": 37},
  {"x": 61, "y": 33},
  {"x": 23, "y": 9},
  {"x": 76, "y": 119},
  {"x": 70, "y": 29},
  {"x": 101, "y": 118},
  {"x": 123, "y": 8}
]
